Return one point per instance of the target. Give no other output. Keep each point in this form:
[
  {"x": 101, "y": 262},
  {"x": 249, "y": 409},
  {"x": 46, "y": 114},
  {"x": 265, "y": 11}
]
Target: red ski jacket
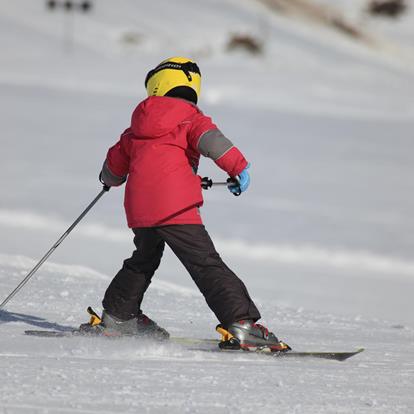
[{"x": 159, "y": 155}]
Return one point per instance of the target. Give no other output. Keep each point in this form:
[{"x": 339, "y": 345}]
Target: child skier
[{"x": 158, "y": 157}]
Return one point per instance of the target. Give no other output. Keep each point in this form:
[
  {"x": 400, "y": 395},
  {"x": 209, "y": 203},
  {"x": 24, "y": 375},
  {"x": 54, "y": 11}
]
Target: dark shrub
[
  {"x": 245, "y": 42},
  {"x": 390, "y": 8}
]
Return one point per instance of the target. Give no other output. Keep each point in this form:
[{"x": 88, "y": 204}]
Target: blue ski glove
[{"x": 243, "y": 182}]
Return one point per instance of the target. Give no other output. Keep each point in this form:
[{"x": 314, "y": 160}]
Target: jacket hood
[{"x": 158, "y": 115}]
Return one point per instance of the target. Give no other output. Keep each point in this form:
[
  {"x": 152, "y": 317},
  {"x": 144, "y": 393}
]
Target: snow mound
[{"x": 365, "y": 262}]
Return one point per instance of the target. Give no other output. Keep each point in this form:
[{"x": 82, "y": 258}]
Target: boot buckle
[{"x": 95, "y": 319}]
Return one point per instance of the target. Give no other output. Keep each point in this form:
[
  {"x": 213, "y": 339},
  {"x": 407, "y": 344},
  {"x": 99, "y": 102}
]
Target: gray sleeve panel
[
  {"x": 110, "y": 178},
  {"x": 213, "y": 144}
]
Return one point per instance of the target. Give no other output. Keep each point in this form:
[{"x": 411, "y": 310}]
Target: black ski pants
[{"x": 225, "y": 293}]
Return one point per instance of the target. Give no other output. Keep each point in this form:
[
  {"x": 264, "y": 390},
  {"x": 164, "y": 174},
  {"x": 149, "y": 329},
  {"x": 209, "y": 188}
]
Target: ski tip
[
  {"x": 351, "y": 354},
  {"x": 334, "y": 355},
  {"x": 342, "y": 356}
]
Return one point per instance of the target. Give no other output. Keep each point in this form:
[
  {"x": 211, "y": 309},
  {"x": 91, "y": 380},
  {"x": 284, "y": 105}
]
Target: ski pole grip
[
  {"x": 105, "y": 186},
  {"x": 234, "y": 182}
]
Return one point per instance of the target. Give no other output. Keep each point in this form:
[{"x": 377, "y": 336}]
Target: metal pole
[
  {"x": 53, "y": 248},
  {"x": 220, "y": 183},
  {"x": 69, "y": 30}
]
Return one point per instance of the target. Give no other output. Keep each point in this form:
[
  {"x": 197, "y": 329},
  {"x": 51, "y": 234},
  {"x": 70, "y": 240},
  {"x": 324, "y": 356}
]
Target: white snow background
[{"x": 324, "y": 237}]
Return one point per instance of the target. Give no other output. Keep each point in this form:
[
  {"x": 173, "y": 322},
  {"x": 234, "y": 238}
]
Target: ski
[{"x": 333, "y": 355}]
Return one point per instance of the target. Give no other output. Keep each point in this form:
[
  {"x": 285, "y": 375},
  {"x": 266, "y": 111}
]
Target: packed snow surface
[{"x": 323, "y": 238}]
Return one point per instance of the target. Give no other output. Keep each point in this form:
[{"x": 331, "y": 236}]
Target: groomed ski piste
[{"x": 324, "y": 237}]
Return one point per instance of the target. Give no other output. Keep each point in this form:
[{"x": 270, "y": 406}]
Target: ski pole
[
  {"x": 207, "y": 183},
  {"x": 54, "y": 247}
]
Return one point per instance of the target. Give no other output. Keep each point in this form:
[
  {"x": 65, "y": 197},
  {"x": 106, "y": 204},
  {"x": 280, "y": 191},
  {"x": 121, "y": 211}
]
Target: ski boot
[
  {"x": 249, "y": 336},
  {"x": 109, "y": 325}
]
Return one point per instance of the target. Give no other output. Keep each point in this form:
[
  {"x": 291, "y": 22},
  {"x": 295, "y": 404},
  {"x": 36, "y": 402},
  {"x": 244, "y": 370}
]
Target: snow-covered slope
[
  {"x": 323, "y": 238},
  {"x": 96, "y": 375}
]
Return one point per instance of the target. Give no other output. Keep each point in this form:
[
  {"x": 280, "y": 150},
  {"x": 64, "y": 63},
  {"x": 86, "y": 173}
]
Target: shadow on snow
[{"x": 6, "y": 317}]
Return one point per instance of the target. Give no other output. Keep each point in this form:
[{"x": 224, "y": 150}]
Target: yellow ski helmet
[{"x": 176, "y": 76}]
